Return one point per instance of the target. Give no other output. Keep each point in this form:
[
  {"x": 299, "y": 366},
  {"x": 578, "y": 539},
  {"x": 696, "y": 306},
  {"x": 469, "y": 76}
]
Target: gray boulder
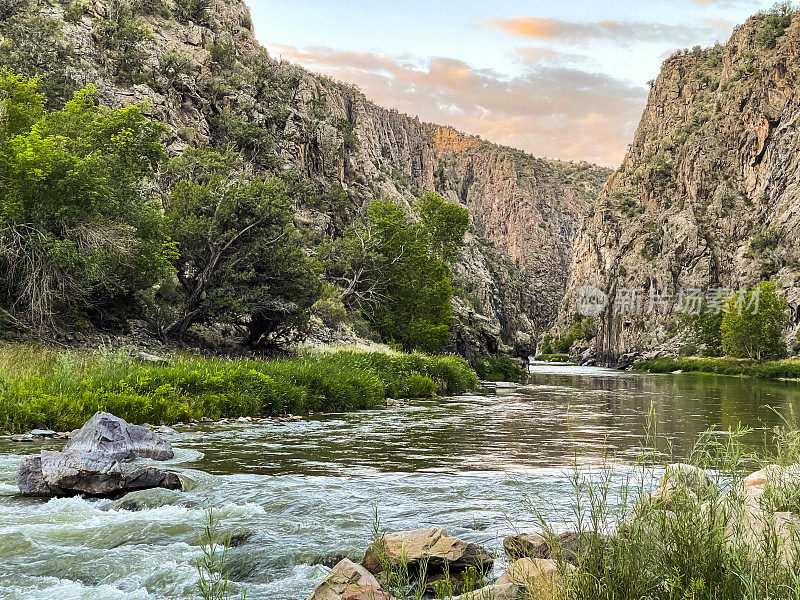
[
  {"x": 115, "y": 438},
  {"x": 71, "y": 473}
]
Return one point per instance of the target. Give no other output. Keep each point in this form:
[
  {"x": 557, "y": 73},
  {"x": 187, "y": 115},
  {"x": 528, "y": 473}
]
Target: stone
[
  {"x": 115, "y": 438},
  {"x": 146, "y": 499},
  {"x": 522, "y": 545},
  {"x": 686, "y": 479},
  {"x": 539, "y": 577},
  {"x": 146, "y": 357},
  {"x": 498, "y": 591},
  {"x": 27, "y": 437},
  {"x": 30, "y": 479},
  {"x": 345, "y": 576},
  {"x": 70, "y": 473},
  {"x": 772, "y": 476},
  {"x": 442, "y": 552},
  {"x": 43, "y": 433},
  {"x": 365, "y": 592}
]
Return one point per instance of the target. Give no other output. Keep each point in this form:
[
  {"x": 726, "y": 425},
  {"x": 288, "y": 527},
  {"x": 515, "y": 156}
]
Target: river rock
[
  {"x": 498, "y": 591},
  {"x": 30, "y": 479},
  {"x": 442, "y": 551},
  {"x": 70, "y": 473},
  {"x": 682, "y": 480},
  {"x": 148, "y": 499},
  {"x": 117, "y": 439},
  {"x": 366, "y": 592},
  {"x": 345, "y": 576},
  {"x": 539, "y": 577},
  {"x": 525, "y": 545}
]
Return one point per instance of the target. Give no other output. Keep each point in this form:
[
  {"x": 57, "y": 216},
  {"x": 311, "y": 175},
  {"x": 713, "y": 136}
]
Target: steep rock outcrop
[
  {"x": 708, "y": 195},
  {"x": 203, "y": 73}
]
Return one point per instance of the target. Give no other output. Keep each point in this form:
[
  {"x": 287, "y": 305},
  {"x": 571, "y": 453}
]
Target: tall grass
[
  {"x": 43, "y": 388},
  {"x": 708, "y": 541},
  {"x": 777, "y": 369}
]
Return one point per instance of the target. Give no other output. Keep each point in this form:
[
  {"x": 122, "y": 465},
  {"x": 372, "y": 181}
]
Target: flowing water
[{"x": 292, "y": 494}]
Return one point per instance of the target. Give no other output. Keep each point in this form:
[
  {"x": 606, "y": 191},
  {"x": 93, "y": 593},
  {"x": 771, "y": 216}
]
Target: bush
[
  {"x": 552, "y": 357},
  {"x": 420, "y": 386},
  {"x": 753, "y": 323},
  {"x": 688, "y": 350},
  {"x": 500, "y": 368},
  {"x": 774, "y": 24}
]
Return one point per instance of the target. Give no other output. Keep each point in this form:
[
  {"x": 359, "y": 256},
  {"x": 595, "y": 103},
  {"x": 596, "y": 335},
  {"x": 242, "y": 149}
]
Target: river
[{"x": 479, "y": 465}]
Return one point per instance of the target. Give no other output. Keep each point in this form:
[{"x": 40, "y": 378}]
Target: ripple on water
[{"x": 482, "y": 466}]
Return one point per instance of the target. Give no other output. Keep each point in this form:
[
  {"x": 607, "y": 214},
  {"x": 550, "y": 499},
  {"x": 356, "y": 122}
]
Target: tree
[
  {"x": 240, "y": 258},
  {"x": 78, "y": 233},
  {"x": 704, "y": 327},
  {"x": 397, "y": 270},
  {"x": 753, "y": 323}
]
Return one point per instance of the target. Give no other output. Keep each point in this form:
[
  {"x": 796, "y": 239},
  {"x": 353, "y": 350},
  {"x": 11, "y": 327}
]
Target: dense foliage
[
  {"x": 78, "y": 233},
  {"x": 240, "y": 261},
  {"x": 397, "y": 270},
  {"x": 39, "y": 388},
  {"x": 752, "y": 325},
  {"x": 500, "y": 368}
]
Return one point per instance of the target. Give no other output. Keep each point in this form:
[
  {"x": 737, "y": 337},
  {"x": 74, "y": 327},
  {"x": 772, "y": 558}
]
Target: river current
[{"x": 294, "y": 495}]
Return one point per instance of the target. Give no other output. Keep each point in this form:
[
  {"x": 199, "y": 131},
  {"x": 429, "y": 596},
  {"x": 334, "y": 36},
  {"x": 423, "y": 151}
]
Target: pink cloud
[{"x": 549, "y": 110}]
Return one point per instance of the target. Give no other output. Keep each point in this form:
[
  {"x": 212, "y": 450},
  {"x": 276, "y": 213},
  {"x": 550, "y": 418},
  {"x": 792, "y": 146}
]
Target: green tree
[
  {"x": 78, "y": 235},
  {"x": 704, "y": 327},
  {"x": 240, "y": 260},
  {"x": 753, "y": 323},
  {"x": 397, "y": 270}
]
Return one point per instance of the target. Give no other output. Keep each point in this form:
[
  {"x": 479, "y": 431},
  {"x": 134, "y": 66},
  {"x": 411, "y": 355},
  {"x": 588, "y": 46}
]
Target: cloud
[
  {"x": 619, "y": 32},
  {"x": 549, "y": 110}
]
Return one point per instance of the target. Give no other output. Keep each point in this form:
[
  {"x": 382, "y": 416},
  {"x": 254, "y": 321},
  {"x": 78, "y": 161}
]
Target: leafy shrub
[
  {"x": 500, "y": 368},
  {"x": 781, "y": 369},
  {"x": 121, "y": 36},
  {"x": 753, "y": 324},
  {"x": 420, "y": 386},
  {"x": 774, "y": 24},
  {"x": 197, "y": 11},
  {"x": 688, "y": 350}
]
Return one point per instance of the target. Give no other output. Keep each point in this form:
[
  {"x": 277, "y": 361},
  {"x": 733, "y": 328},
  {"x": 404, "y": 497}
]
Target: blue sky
[{"x": 558, "y": 79}]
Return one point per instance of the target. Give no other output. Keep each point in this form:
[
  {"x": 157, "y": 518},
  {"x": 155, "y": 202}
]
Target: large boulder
[
  {"x": 70, "y": 473},
  {"x": 116, "y": 438},
  {"x": 345, "y": 577},
  {"x": 439, "y": 551}
]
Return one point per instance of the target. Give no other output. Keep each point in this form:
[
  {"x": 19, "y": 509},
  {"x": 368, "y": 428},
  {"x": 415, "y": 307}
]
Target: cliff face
[
  {"x": 201, "y": 71},
  {"x": 708, "y": 195}
]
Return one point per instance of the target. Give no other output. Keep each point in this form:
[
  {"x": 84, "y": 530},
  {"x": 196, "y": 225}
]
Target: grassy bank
[
  {"x": 777, "y": 369},
  {"x": 44, "y": 388}
]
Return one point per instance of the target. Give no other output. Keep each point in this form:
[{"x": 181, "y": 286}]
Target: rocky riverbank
[{"x": 754, "y": 523}]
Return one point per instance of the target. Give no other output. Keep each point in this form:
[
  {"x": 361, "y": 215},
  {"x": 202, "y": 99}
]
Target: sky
[{"x": 559, "y": 79}]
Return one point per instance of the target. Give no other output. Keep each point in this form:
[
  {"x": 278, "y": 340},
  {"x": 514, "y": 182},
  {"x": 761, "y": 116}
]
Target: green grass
[
  {"x": 43, "y": 388},
  {"x": 777, "y": 369},
  {"x": 553, "y": 357}
]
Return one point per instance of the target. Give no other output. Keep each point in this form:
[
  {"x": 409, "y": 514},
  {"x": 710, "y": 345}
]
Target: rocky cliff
[
  {"x": 199, "y": 68},
  {"x": 707, "y": 196}
]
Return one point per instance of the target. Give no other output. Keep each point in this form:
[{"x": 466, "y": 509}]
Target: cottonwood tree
[
  {"x": 240, "y": 258},
  {"x": 753, "y": 324},
  {"x": 78, "y": 233},
  {"x": 396, "y": 270}
]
